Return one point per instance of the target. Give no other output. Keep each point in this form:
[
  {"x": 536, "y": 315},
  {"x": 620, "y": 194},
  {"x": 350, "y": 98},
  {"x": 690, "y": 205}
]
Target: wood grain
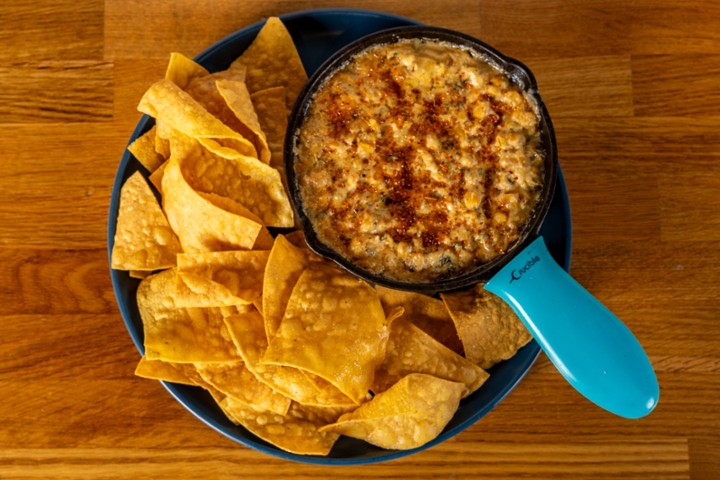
[
  {"x": 73, "y": 281},
  {"x": 51, "y": 30},
  {"x": 669, "y": 86},
  {"x": 39, "y": 93},
  {"x": 632, "y": 90},
  {"x": 498, "y": 460},
  {"x": 84, "y": 160},
  {"x": 596, "y": 86}
]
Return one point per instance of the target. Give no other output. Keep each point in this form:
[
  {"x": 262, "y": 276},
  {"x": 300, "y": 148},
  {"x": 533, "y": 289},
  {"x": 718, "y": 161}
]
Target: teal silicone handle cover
[{"x": 585, "y": 341}]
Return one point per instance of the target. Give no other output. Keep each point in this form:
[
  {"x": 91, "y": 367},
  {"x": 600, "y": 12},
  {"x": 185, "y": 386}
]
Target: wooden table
[{"x": 633, "y": 91}]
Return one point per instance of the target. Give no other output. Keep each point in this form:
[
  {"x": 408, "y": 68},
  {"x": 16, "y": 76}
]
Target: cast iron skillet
[{"x": 513, "y": 69}]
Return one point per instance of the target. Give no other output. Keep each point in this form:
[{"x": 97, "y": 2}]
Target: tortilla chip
[
  {"x": 183, "y": 335},
  {"x": 272, "y": 60},
  {"x": 163, "y": 133},
  {"x": 143, "y": 149},
  {"x": 246, "y": 180},
  {"x": 204, "y": 85},
  {"x": 248, "y": 332},
  {"x": 178, "y": 110},
  {"x": 410, "y": 350},
  {"x": 183, "y": 373},
  {"x": 204, "y": 90},
  {"x": 489, "y": 329},
  {"x": 334, "y": 327},
  {"x": 143, "y": 237},
  {"x": 264, "y": 240},
  {"x": 234, "y": 380},
  {"x": 139, "y": 274},
  {"x": 426, "y": 312},
  {"x": 156, "y": 176},
  {"x": 297, "y": 432},
  {"x": 215, "y": 279},
  {"x": 181, "y": 70},
  {"x": 321, "y": 414},
  {"x": 200, "y": 225},
  {"x": 238, "y": 100},
  {"x": 273, "y": 114},
  {"x": 408, "y": 415},
  {"x": 228, "y": 106},
  {"x": 297, "y": 238},
  {"x": 285, "y": 265}
]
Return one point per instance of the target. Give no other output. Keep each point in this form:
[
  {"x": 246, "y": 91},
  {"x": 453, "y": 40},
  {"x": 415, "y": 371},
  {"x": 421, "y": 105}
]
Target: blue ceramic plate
[{"x": 318, "y": 34}]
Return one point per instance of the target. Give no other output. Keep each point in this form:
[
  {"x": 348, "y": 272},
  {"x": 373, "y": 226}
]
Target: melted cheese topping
[{"x": 418, "y": 160}]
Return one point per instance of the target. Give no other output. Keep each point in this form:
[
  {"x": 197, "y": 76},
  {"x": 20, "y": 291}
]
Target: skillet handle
[{"x": 595, "y": 352}]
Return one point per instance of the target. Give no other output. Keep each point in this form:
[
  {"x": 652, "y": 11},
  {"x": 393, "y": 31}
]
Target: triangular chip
[
  {"x": 143, "y": 149},
  {"x": 139, "y": 274},
  {"x": 246, "y": 180},
  {"x": 248, "y": 332},
  {"x": 156, "y": 176},
  {"x": 297, "y": 432},
  {"x": 215, "y": 279},
  {"x": 205, "y": 91},
  {"x": 272, "y": 60},
  {"x": 236, "y": 381},
  {"x": 183, "y": 335},
  {"x": 143, "y": 237},
  {"x": 489, "y": 329},
  {"x": 181, "y": 70},
  {"x": 184, "y": 373},
  {"x": 264, "y": 240},
  {"x": 272, "y": 114},
  {"x": 178, "y": 110},
  {"x": 410, "y": 350},
  {"x": 202, "y": 226},
  {"x": 424, "y": 311},
  {"x": 297, "y": 238},
  {"x": 163, "y": 133},
  {"x": 231, "y": 104},
  {"x": 334, "y": 327},
  {"x": 408, "y": 415},
  {"x": 285, "y": 265},
  {"x": 238, "y": 100}
]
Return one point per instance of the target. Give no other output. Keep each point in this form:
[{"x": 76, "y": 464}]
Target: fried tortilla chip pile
[{"x": 291, "y": 347}]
